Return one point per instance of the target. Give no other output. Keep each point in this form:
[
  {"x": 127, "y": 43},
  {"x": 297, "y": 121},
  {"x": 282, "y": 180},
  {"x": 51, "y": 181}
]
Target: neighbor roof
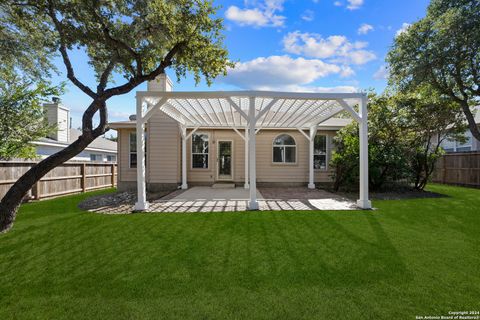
[{"x": 99, "y": 144}]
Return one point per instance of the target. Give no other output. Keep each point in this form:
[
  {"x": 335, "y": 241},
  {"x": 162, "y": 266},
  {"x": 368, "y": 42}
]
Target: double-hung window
[
  {"x": 200, "y": 151},
  {"x": 320, "y": 152},
  {"x": 284, "y": 149},
  {"x": 133, "y": 149}
]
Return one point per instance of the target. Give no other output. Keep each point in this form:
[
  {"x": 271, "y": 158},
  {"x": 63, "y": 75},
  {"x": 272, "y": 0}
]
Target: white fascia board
[{"x": 262, "y": 94}]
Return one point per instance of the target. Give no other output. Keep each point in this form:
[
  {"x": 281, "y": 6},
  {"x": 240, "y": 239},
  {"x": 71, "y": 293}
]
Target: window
[
  {"x": 457, "y": 146},
  {"x": 96, "y": 157},
  {"x": 200, "y": 151},
  {"x": 284, "y": 149},
  {"x": 320, "y": 153},
  {"x": 111, "y": 158},
  {"x": 133, "y": 149}
]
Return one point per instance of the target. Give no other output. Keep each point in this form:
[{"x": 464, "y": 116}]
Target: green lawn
[{"x": 408, "y": 258}]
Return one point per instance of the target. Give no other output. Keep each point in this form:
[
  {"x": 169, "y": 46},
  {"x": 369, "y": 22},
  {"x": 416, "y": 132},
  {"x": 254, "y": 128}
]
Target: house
[
  {"x": 100, "y": 149},
  {"x": 205, "y": 138},
  {"x": 471, "y": 143}
]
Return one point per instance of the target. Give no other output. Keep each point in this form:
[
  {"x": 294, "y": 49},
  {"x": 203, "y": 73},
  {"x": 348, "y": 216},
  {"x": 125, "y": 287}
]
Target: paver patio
[{"x": 207, "y": 199}]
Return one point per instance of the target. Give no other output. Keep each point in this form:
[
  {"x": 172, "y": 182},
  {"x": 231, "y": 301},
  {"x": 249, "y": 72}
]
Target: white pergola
[{"x": 249, "y": 111}]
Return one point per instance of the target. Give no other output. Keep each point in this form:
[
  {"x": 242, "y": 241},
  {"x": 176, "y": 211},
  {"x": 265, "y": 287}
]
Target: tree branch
[
  {"x": 136, "y": 80},
  {"x": 66, "y": 59}
]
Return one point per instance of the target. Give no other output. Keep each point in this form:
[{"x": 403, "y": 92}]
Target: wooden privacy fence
[
  {"x": 70, "y": 177},
  {"x": 458, "y": 168}
]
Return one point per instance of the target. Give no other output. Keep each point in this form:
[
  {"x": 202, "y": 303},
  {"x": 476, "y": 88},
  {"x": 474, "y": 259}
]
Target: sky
[{"x": 286, "y": 45}]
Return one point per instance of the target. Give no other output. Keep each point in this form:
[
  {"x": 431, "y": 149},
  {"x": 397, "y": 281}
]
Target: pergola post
[
  {"x": 184, "y": 158},
  {"x": 246, "y": 159},
  {"x": 141, "y": 204},
  {"x": 311, "y": 171},
  {"x": 253, "y": 204},
  {"x": 364, "y": 201}
]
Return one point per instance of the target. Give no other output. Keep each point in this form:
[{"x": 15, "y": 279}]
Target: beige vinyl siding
[
  {"x": 268, "y": 171},
  {"x": 163, "y": 149},
  {"x": 164, "y": 155},
  {"x": 125, "y": 172},
  {"x": 210, "y": 175}
]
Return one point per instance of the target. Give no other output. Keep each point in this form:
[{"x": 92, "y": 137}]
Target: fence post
[
  {"x": 444, "y": 175},
  {"x": 84, "y": 177},
  {"x": 36, "y": 191},
  {"x": 113, "y": 175}
]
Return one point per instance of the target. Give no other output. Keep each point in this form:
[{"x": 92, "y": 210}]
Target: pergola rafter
[{"x": 251, "y": 111}]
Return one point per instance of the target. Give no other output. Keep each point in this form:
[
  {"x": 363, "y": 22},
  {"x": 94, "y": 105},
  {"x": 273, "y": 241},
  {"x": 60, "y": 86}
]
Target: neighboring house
[
  {"x": 218, "y": 155},
  {"x": 100, "y": 149},
  {"x": 471, "y": 144}
]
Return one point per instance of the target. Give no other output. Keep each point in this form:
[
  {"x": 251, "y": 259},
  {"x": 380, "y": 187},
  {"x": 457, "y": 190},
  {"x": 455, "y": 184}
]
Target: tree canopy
[
  {"x": 443, "y": 51},
  {"x": 137, "y": 39},
  {"x": 406, "y": 130},
  {"x": 22, "y": 115}
]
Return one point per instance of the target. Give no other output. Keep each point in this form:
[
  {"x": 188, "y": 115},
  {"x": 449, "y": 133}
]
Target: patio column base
[
  {"x": 364, "y": 204},
  {"x": 184, "y": 186},
  {"x": 311, "y": 186},
  {"x": 252, "y": 205},
  {"x": 141, "y": 206},
  {"x": 246, "y": 186}
]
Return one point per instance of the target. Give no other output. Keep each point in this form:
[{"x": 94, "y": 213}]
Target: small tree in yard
[
  {"x": 21, "y": 114},
  {"x": 386, "y": 147},
  {"x": 442, "y": 50},
  {"x": 405, "y": 134},
  {"x": 428, "y": 119},
  {"x": 136, "y": 39}
]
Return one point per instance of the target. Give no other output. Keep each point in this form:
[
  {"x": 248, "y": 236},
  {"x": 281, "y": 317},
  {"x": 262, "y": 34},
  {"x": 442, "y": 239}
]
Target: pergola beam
[{"x": 300, "y": 111}]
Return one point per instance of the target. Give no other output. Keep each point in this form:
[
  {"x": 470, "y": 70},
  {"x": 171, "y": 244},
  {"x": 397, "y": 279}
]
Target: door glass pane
[{"x": 225, "y": 158}]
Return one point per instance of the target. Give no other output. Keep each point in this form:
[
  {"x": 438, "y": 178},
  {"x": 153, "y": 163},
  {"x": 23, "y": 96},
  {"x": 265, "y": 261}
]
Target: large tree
[
  {"x": 442, "y": 50},
  {"x": 22, "y": 119},
  {"x": 138, "y": 39}
]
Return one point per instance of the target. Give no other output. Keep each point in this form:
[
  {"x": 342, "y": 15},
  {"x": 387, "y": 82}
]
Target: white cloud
[
  {"x": 351, "y": 4},
  {"x": 404, "y": 28},
  {"x": 296, "y": 88},
  {"x": 261, "y": 15},
  {"x": 308, "y": 15},
  {"x": 365, "y": 28},
  {"x": 281, "y": 72},
  {"x": 354, "y": 4},
  {"x": 336, "y": 48},
  {"x": 381, "y": 73}
]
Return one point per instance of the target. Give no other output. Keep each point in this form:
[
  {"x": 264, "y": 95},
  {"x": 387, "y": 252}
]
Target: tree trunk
[
  {"x": 13, "y": 198},
  {"x": 470, "y": 120}
]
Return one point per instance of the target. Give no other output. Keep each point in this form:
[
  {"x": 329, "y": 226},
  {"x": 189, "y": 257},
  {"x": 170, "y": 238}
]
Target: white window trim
[
  {"x": 285, "y": 145},
  {"x": 327, "y": 152},
  {"x": 97, "y": 155},
  {"x": 456, "y": 144},
  {"x": 130, "y": 150},
  {"x": 208, "y": 154}
]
